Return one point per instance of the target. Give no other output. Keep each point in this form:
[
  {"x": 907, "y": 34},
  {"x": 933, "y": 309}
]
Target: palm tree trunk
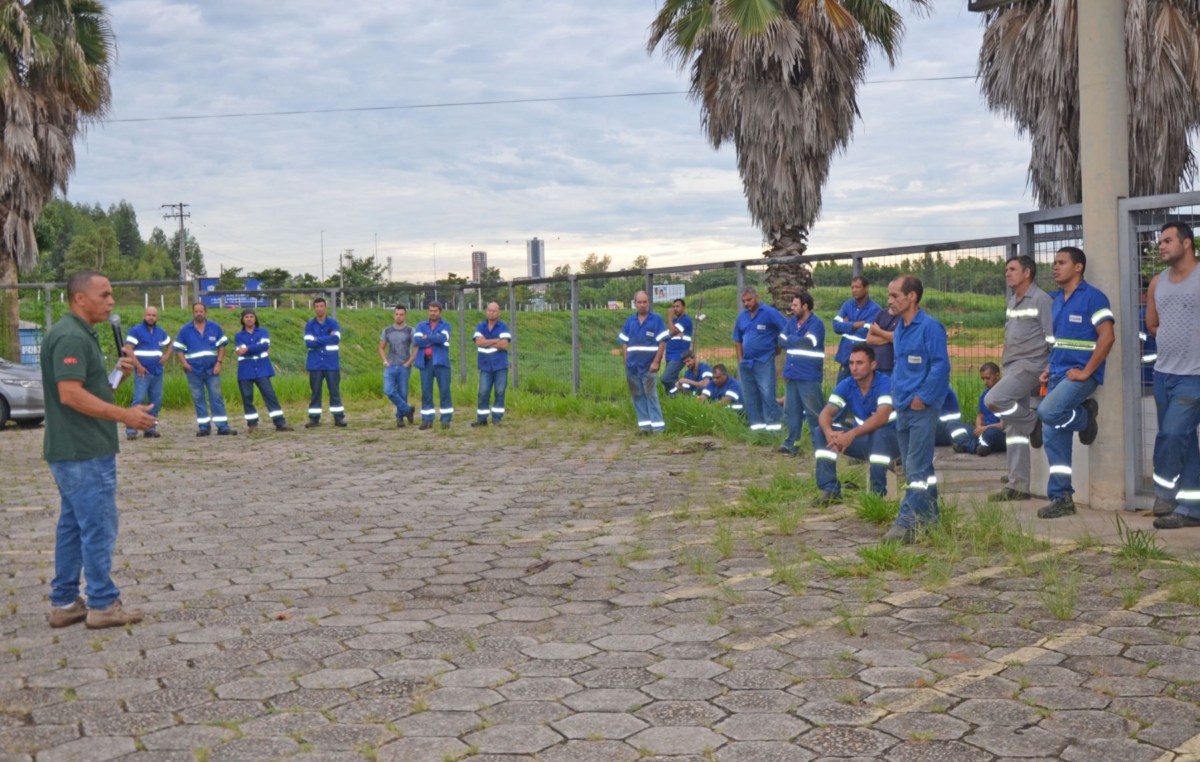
[
  {"x": 10, "y": 313},
  {"x": 787, "y": 280}
]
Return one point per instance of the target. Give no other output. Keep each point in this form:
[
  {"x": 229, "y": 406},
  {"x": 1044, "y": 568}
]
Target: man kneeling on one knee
[{"x": 858, "y": 422}]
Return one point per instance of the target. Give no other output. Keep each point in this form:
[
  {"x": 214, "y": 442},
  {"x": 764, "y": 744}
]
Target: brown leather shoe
[
  {"x": 68, "y": 616},
  {"x": 115, "y": 615}
]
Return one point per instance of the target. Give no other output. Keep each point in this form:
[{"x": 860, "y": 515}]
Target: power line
[{"x": 464, "y": 104}]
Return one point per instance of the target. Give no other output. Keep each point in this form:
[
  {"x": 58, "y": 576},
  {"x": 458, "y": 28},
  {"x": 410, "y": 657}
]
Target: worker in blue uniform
[
  {"x": 695, "y": 376},
  {"x": 681, "y": 328},
  {"x": 803, "y": 371},
  {"x": 756, "y": 338},
  {"x": 323, "y": 337},
  {"x": 853, "y": 322},
  {"x": 951, "y": 431},
  {"x": 723, "y": 389},
  {"x": 201, "y": 347},
  {"x": 643, "y": 343},
  {"x": 492, "y": 337},
  {"x": 150, "y": 347},
  {"x": 989, "y": 436},
  {"x": 432, "y": 340},
  {"x": 252, "y": 345}
]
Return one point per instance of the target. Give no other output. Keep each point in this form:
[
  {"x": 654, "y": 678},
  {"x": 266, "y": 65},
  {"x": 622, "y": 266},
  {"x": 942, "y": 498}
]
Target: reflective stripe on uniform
[
  {"x": 1010, "y": 441},
  {"x": 950, "y": 417},
  {"x": 1060, "y": 470},
  {"x": 487, "y": 350},
  {"x": 1070, "y": 420},
  {"x": 826, "y": 455},
  {"x": 1100, "y": 315},
  {"x": 806, "y": 353},
  {"x": 1016, "y": 406},
  {"x": 251, "y": 416},
  {"x": 1164, "y": 482},
  {"x": 338, "y": 409},
  {"x": 881, "y": 460},
  {"x": 1028, "y": 313},
  {"x": 276, "y": 413}
]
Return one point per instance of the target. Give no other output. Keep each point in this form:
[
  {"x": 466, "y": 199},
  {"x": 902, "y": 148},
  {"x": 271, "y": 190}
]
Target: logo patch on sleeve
[{"x": 70, "y": 361}]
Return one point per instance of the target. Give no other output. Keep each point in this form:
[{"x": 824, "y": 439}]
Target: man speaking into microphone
[{"x": 80, "y": 447}]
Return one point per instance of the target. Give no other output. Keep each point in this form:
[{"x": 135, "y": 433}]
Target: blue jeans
[
  {"x": 147, "y": 388},
  {"x": 758, "y": 386},
  {"x": 489, "y": 381},
  {"x": 954, "y": 432},
  {"x": 441, "y": 375},
  {"x": 395, "y": 388},
  {"x": 670, "y": 374},
  {"x": 1176, "y": 448},
  {"x": 267, "y": 390},
  {"x": 879, "y": 448},
  {"x": 916, "y": 431},
  {"x": 211, "y": 384},
  {"x": 645, "y": 400},
  {"x": 803, "y": 403},
  {"x": 87, "y": 531},
  {"x": 1062, "y": 415}
]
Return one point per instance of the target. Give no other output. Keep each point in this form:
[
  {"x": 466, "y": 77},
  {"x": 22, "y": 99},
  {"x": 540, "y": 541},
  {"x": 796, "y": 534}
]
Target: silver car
[{"x": 21, "y": 394}]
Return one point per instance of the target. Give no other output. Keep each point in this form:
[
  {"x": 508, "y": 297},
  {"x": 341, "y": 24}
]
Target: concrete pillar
[{"x": 1104, "y": 154}]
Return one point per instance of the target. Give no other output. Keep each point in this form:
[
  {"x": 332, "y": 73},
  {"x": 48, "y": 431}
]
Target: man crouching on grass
[{"x": 81, "y": 449}]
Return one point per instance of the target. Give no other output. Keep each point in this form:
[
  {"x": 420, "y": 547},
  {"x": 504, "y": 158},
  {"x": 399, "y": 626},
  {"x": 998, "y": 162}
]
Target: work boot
[
  {"x": 477, "y": 424},
  {"x": 1176, "y": 521},
  {"x": 958, "y": 448},
  {"x": 203, "y": 433},
  {"x": 497, "y": 423},
  {"x": 445, "y": 424},
  {"x": 284, "y": 427},
  {"x": 65, "y": 617},
  {"x": 983, "y": 451},
  {"x": 1063, "y": 506},
  {"x": 152, "y": 434},
  {"x": 251, "y": 428},
  {"x": 340, "y": 423},
  {"x": 785, "y": 450},
  {"x": 131, "y": 436},
  {"x": 115, "y": 615},
  {"x": 410, "y": 415},
  {"x": 826, "y": 499},
  {"x": 400, "y": 422},
  {"x": 899, "y": 534},
  {"x": 312, "y": 424},
  {"x": 1035, "y": 436},
  {"x": 1088, "y": 435},
  {"x": 1007, "y": 494},
  {"x": 426, "y": 425},
  {"x": 227, "y": 433},
  {"x": 1163, "y": 506}
]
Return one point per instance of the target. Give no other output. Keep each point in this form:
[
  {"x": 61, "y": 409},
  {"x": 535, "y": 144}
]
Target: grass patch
[
  {"x": 1138, "y": 547},
  {"x": 875, "y": 509},
  {"x": 891, "y": 556},
  {"x": 1061, "y": 592}
]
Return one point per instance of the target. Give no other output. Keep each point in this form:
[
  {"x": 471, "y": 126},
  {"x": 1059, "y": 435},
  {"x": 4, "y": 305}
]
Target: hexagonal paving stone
[
  {"x": 513, "y": 739},
  {"x": 683, "y": 690},
  {"x": 608, "y": 725},
  {"x": 1088, "y": 725},
  {"x": 995, "y": 712},
  {"x": 590, "y": 751},
  {"x": 676, "y": 740},
  {"x": 539, "y": 688},
  {"x": 98, "y": 749},
  {"x": 625, "y": 643},
  {"x": 699, "y": 669},
  {"x": 933, "y": 727},
  {"x": 1017, "y": 742},
  {"x": 420, "y": 750},
  {"x": 1123, "y": 750},
  {"x": 763, "y": 751},
  {"x": 606, "y": 700},
  {"x": 837, "y": 713},
  {"x": 693, "y": 633},
  {"x": 846, "y": 742},
  {"x": 559, "y": 651},
  {"x": 762, "y": 727},
  {"x": 476, "y": 678},
  {"x": 257, "y": 688},
  {"x": 337, "y": 678},
  {"x": 936, "y": 751},
  {"x": 462, "y": 699}
]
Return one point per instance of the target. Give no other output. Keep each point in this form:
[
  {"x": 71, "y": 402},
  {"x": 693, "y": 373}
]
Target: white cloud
[{"x": 623, "y": 176}]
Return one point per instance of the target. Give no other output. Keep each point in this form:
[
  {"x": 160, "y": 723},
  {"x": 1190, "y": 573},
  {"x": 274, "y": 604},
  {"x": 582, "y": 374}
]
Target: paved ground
[{"x": 534, "y": 593}]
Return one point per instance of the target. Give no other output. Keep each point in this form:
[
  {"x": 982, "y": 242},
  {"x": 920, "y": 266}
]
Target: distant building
[
  {"x": 478, "y": 265},
  {"x": 535, "y": 256}
]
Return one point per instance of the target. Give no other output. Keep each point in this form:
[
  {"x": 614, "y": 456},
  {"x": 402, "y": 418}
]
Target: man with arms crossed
[
  {"x": 395, "y": 349},
  {"x": 803, "y": 371},
  {"x": 201, "y": 344},
  {"x": 323, "y": 337},
  {"x": 1028, "y": 338},
  {"x": 1173, "y": 319},
  {"x": 81, "y": 447},
  {"x": 756, "y": 341},
  {"x": 150, "y": 347},
  {"x": 491, "y": 339},
  {"x": 859, "y": 423},
  {"x": 920, "y": 384},
  {"x": 432, "y": 340},
  {"x": 1083, "y": 337},
  {"x": 852, "y": 322},
  {"x": 681, "y": 329},
  {"x": 643, "y": 343}
]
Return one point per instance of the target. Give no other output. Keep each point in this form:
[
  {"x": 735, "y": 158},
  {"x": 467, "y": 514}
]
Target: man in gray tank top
[
  {"x": 1028, "y": 337},
  {"x": 1172, "y": 317}
]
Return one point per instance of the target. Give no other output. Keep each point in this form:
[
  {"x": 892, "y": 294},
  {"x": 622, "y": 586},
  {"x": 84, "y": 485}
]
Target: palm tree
[
  {"x": 1029, "y": 72},
  {"x": 55, "y": 60},
  {"x": 778, "y": 79}
]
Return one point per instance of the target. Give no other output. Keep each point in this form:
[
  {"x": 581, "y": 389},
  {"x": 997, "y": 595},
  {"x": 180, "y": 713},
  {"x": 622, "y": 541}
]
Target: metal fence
[{"x": 566, "y": 327}]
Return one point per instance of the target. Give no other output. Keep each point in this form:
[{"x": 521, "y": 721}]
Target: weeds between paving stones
[
  {"x": 1060, "y": 593},
  {"x": 1137, "y": 547},
  {"x": 875, "y": 509}
]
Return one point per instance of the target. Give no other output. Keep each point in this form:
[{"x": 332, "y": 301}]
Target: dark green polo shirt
[{"x": 71, "y": 352}]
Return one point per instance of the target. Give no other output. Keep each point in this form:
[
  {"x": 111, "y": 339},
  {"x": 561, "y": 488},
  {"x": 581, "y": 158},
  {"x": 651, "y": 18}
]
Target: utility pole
[
  {"x": 180, "y": 215},
  {"x": 342, "y": 276},
  {"x": 389, "y": 269},
  {"x": 322, "y": 257}
]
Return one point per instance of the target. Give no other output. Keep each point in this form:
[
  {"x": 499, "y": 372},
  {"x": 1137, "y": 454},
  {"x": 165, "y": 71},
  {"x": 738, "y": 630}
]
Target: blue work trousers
[
  {"x": 670, "y": 375},
  {"x": 758, "y": 388},
  {"x": 917, "y": 431},
  {"x": 267, "y": 390},
  {"x": 1176, "y": 448},
  {"x": 210, "y": 411},
  {"x": 645, "y": 400},
  {"x": 1062, "y": 415},
  {"x": 879, "y": 448},
  {"x": 317, "y": 380},
  {"x": 439, "y": 374},
  {"x": 802, "y": 403},
  {"x": 491, "y": 381},
  {"x": 992, "y": 437}
]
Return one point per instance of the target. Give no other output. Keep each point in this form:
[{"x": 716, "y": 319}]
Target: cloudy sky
[{"x": 623, "y": 176}]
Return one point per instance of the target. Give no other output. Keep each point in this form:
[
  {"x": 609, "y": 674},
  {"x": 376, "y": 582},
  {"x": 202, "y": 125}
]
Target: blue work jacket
[
  {"x": 805, "y": 344},
  {"x": 682, "y": 341},
  {"x": 323, "y": 340},
  {"x": 1075, "y": 334},
  {"x": 848, "y": 315},
  {"x": 256, "y": 363},
  {"x": 492, "y": 358},
  {"x": 200, "y": 349},
  {"x": 922, "y": 362},
  {"x": 148, "y": 346},
  {"x": 759, "y": 333},
  {"x": 732, "y": 391},
  {"x": 641, "y": 339},
  {"x": 853, "y": 404},
  {"x": 432, "y": 343}
]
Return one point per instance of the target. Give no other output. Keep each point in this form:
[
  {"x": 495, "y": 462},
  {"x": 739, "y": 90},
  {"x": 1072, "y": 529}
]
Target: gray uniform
[{"x": 1028, "y": 339}]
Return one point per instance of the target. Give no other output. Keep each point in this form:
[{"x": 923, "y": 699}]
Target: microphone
[{"x": 114, "y": 321}]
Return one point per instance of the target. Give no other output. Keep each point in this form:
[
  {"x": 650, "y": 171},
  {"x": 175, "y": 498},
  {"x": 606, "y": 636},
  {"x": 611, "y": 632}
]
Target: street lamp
[{"x": 322, "y": 256}]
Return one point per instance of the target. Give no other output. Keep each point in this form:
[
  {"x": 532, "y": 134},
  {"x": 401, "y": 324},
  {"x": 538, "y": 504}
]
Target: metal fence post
[
  {"x": 650, "y": 288},
  {"x": 333, "y": 302},
  {"x": 574, "y": 335},
  {"x": 462, "y": 334},
  {"x": 512, "y": 320},
  {"x": 741, "y": 283},
  {"x": 195, "y": 291},
  {"x": 49, "y": 312},
  {"x": 858, "y": 267}
]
